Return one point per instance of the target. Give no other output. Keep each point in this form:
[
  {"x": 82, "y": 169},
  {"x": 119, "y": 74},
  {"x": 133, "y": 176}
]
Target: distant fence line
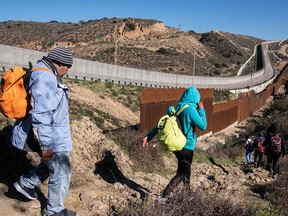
[
  {"x": 155, "y": 102},
  {"x": 96, "y": 71}
]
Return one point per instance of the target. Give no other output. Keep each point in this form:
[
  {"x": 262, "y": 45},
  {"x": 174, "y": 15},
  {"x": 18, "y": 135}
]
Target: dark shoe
[
  {"x": 270, "y": 174},
  {"x": 27, "y": 192},
  {"x": 65, "y": 212}
]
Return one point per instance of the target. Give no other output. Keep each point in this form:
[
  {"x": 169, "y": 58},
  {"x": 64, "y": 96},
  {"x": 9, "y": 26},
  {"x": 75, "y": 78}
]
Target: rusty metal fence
[{"x": 155, "y": 102}]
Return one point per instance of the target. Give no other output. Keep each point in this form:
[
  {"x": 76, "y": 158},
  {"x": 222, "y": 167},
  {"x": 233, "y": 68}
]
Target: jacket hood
[{"x": 190, "y": 96}]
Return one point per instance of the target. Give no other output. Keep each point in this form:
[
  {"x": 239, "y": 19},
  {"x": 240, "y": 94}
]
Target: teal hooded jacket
[{"x": 191, "y": 118}]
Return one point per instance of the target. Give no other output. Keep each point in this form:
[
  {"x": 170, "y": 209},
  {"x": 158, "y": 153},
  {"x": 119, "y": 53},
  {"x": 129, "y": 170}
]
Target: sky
[{"x": 267, "y": 20}]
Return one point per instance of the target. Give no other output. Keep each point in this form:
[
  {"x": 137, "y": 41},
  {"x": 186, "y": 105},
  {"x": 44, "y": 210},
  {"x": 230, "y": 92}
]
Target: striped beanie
[{"x": 61, "y": 55}]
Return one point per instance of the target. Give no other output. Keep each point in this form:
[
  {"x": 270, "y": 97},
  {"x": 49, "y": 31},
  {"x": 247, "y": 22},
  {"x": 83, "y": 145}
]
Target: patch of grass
[
  {"x": 277, "y": 192},
  {"x": 128, "y": 95},
  {"x": 96, "y": 115},
  {"x": 190, "y": 203},
  {"x": 149, "y": 160},
  {"x": 200, "y": 156},
  {"x": 221, "y": 154},
  {"x": 280, "y": 105},
  {"x": 222, "y": 95}
]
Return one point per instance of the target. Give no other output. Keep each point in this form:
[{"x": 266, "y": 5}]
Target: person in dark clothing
[
  {"x": 275, "y": 145},
  {"x": 259, "y": 149},
  {"x": 248, "y": 145},
  {"x": 192, "y": 117}
]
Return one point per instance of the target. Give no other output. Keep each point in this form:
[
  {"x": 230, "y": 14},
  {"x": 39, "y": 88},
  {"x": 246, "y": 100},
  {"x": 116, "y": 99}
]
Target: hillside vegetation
[
  {"x": 111, "y": 173},
  {"x": 137, "y": 43}
]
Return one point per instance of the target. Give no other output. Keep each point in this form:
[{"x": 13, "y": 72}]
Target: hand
[
  {"x": 284, "y": 156},
  {"x": 200, "y": 105},
  {"x": 145, "y": 142},
  {"x": 46, "y": 155}
]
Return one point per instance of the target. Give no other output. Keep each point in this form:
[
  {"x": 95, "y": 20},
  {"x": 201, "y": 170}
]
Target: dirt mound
[{"x": 102, "y": 176}]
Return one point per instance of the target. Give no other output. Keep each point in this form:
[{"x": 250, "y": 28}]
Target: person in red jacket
[
  {"x": 259, "y": 149},
  {"x": 275, "y": 144}
]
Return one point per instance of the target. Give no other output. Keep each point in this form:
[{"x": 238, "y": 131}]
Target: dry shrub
[
  {"x": 278, "y": 190},
  {"x": 231, "y": 151},
  {"x": 194, "y": 203},
  {"x": 148, "y": 159}
]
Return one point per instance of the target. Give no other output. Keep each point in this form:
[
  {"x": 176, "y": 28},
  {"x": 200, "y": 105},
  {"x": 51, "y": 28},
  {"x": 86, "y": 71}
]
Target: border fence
[
  {"x": 155, "y": 102},
  {"x": 95, "y": 71}
]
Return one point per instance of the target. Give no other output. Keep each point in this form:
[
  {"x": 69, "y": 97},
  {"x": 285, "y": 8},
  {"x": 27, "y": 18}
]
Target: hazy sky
[{"x": 263, "y": 19}]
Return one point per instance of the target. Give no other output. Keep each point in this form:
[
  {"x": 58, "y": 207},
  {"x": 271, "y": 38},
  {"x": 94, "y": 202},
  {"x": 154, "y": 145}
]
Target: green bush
[
  {"x": 280, "y": 105},
  {"x": 222, "y": 95}
]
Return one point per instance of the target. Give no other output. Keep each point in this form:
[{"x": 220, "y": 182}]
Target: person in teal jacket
[{"x": 191, "y": 118}]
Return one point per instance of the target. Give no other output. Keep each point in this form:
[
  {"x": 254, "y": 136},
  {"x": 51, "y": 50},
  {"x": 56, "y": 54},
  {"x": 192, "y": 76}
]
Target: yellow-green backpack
[{"x": 169, "y": 134}]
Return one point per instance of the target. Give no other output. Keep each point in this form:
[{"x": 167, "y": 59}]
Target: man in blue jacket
[
  {"x": 194, "y": 116},
  {"x": 47, "y": 130}
]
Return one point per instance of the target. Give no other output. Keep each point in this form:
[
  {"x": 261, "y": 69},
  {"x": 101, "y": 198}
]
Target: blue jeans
[
  {"x": 58, "y": 169},
  {"x": 249, "y": 156}
]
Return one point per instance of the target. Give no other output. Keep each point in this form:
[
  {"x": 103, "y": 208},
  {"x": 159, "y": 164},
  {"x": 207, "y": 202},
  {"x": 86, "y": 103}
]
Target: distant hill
[{"x": 138, "y": 43}]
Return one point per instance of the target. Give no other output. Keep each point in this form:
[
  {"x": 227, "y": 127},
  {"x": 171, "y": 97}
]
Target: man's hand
[
  {"x": 145, "y": 141},
  {"x": 46, "y": 155}
]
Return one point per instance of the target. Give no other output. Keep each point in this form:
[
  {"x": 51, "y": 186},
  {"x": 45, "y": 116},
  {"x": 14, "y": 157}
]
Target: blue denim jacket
[{"x": 49, "y": 117}]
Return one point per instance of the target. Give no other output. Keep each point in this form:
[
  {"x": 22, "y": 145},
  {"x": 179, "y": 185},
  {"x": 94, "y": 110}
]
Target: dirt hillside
[
  {"x": 137, "y": 43},
  {"x": 103, "y": 179}
]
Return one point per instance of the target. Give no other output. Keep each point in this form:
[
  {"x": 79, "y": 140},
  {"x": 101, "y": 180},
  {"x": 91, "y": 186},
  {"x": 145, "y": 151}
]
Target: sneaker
[
  {"x": 161, "y": 200},
  {"x": 27, "y": 192},
  {"x": 65, "y": 212}
]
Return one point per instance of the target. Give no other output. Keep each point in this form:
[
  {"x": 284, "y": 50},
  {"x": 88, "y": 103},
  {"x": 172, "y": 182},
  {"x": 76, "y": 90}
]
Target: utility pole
[
  {"x": 116, "y": 40},
  {"x": 193, "y": 66}
]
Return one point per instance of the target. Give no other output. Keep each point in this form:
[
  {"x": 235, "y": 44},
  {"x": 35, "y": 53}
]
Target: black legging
[
  {"x": 258, "y": 157},
  {"x": 273, "y": 162},
  {"x": 184, "y": 157}
]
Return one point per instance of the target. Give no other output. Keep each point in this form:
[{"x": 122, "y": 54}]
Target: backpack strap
[
  {"x": 42, "y": 68},
  {"x": 179, "y": 112},
  {"x": 183, "y": 108},
  {"x": 28, "y": 75}
]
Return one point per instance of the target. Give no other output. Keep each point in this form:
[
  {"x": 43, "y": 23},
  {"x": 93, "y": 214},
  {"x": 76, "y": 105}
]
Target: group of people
[
  {"x": 272, "y": 145},
  {"x": 47, "y": 130}
]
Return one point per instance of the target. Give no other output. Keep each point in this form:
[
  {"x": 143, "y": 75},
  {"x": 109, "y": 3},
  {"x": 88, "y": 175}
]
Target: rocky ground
[{"x": 95, "y": 194}]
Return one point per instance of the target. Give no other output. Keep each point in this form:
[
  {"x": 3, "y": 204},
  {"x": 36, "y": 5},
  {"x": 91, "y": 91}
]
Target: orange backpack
[{"x": 14, "y": 99}]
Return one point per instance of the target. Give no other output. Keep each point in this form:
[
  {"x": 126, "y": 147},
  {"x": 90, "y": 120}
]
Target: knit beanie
[{"x": 61, "y": 55}]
